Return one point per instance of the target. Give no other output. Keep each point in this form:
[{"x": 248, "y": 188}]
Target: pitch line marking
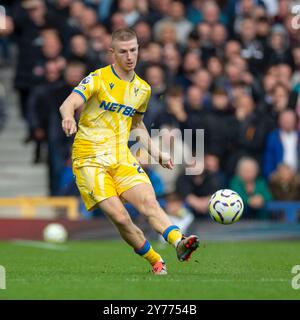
[
  {"x": 40, "y": 245},
  {"x": 215, "y": 280}
]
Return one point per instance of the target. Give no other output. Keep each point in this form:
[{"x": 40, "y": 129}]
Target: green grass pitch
[{"x": 110, "y": 270}]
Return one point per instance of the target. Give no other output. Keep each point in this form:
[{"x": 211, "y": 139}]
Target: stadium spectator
[
  {"x": 129, "y": 11},
  {"x": 251, "y": 187},
  {"x": 172, "y": 60},
  {"x": 216, "y": 69},
  {"x": 29, "y": 17},
  {"x": 190, "y": 65},
  {"x": 269, "y": 82},
  {"x": 263, "y": 26},
  {"x": 252, "y": 49},
  {"x": 194, "y": 113},
  {"x": 218, "y": 37},
  {"x": 232, "y": 48},
  {"x": 204, "y": 31},
  {"x": 165, "y": 33},
  {"x": 171, "y": 140},
  {"x": 99, "y": 42},
  {"x": 88, "y": 20},
  {"x": 197, "y": 189},
  {"x": 51, "y": 49},
  {"x": 5, "y": 41},
  {"x": 211, "y": 13},
  {"x": 174, "y": 113},
  {"x": 271, "y": 7},
  {"x": 155, "y": 76},
  {"x": 217, "y": 123},
  {"x": 199, "y": 11},
  {"x": 283, "y": 11},
  {"x": 248, "y": 132},
  {"x": 280, "y": 102},
  {"x": 155, "y": 52},
  {"x": 37, "y": 114},
  {"x": 117, "y": 21},
  {"x": 194, "y": 100},
  {"x": 279, "y": 51},
  {"x": 143, "y": 32},
  {"x": 59, "y": 146},
  {"x": 285, "y": 183},
  {"x": 296, "y": 64},
  {"x": 79, "y": 50},
  {"x": 212, "y": 165},
  {"x": 75, "y": 13},
  {"x": 193, "y": 42},
  {"x": 283, "y": 144},
  {"x": 158, "y": 9},
  {"x": 203, "y": 80},
  {"x": 177, "y": 18},
  {"x": 179, "y": 214}
]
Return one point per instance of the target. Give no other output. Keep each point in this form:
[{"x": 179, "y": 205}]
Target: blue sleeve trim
[
  {"x": 138, "y": 112},
  {"x": 80, "y": 93}
]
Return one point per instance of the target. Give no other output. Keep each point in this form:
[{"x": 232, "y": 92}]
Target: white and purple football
[{"x": 226, "y": 206}]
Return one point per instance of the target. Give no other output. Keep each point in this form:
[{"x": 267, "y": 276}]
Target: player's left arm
[{"x": 162, "y": 157}]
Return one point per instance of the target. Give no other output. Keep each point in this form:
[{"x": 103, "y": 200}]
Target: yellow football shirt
[{"x": 110, "y": 104}]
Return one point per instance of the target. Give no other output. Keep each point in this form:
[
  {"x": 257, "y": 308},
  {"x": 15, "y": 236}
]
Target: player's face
[{"x": 125, "y": 54}]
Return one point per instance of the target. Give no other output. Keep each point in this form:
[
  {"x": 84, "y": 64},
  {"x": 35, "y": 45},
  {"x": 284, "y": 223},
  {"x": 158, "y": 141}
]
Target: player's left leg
[
  {"x": 142, "y": 197},
  {"x": 97, "y": 189}
]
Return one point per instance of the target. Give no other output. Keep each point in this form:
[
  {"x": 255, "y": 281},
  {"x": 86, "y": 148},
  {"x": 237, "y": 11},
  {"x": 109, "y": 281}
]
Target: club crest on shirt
[
  {"x": 92, "y": 195},
  {"x": 86, "y": 80}
]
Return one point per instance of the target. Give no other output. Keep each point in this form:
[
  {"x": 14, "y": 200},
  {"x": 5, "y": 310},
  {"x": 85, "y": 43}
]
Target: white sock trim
[{"x": 176, "y": 243}]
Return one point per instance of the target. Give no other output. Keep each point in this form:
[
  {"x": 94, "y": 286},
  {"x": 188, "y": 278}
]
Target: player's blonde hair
[{"x": 124, "y": 34}]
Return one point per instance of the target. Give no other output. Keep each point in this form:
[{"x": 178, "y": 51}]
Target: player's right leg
[
  {"x": 142, "y": 197},
  {"x": 117, "y": 213}
]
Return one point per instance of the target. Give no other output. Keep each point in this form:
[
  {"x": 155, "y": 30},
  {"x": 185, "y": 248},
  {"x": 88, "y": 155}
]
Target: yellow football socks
[{"x": 172, "y": 235}]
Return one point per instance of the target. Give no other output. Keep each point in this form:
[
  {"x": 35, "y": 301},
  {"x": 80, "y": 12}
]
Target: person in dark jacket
[
  {"x": 59, "y": 146},
  {"x": 248, "y": 132},
  {"x": 217, "y": 123},
  {"x": 197, "y": 189},
  {"x": 30, "y": 17},
  {"x": 174, "y": 113},
  {"x": 37, "y": 114}
]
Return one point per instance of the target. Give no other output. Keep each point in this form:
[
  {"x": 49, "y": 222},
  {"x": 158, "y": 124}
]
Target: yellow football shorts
[{"x": 101, "y": 177}]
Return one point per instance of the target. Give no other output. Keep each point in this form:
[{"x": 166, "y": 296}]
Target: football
[
  {"x": 225, "y": 206},
  {"x": 55, "y": 233}
]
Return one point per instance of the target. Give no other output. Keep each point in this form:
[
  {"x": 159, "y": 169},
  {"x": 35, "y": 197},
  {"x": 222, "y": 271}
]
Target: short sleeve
[
  {"x": 142, "y": 109},
  {"x": 87, "y": 87}
]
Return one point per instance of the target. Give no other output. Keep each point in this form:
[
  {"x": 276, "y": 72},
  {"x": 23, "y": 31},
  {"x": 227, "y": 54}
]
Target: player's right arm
[
  {"x": 82, "y": 93},
  {"x": 67, "y": 111}
]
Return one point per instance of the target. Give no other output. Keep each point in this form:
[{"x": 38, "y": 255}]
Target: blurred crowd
[{"x": 230, "y": 67}]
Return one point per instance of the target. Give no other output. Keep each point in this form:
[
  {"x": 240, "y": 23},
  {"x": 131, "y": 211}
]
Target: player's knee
[
  {"x": 149, "y": 204},
  {"x": 123, "y": 221}
]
